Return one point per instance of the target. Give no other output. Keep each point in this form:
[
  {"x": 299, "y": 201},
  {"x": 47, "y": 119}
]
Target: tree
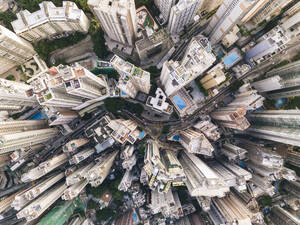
[
  {"x": 265, "y": 200},
  {"x": 104, "y": 214},
  {"x": 45, "y": 47},
  {"x": 97, "y": 36},
  {"x": 6, "y": 18},
  {"x": 113, "y": 105}
]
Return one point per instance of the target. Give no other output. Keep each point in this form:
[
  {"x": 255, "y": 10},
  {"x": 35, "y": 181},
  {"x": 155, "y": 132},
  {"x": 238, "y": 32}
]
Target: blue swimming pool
[
  {"x": 142, "y": 135},
  {"x": 231, "y": 59},
  {"x": 135, "y": 218},
  {"x": 37, "y": 116},
  {"x": 179, "y": 102},
  {"x": 280, "y": 102},
  {"x": 176, "y": 138}
]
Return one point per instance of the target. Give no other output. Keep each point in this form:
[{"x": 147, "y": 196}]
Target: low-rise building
[
  {"x": 213, "y": 77},
  {"x": 153, "y": 43},
  {"x": 159, "y": 103},
  {"x": 183, "y": 102}
]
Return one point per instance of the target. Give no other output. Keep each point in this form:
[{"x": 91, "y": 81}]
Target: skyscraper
[
  {"x": 44, "y": 168},
  {"x": 231, "y": 117},
  {"x": 247, "y": 98},
  {"x": 15, "y": 94},
  {"x": 117, "y": 18},
  {"x": 132, "y": 79},
  {"x": 201, "y": 179},
  {"x": 68, "y": 86},
  {"x": 276, "y": 125},
  {"x": 101, "y": 169},
  {"x": 13, "y": 141},
  {"x": 16, "y": 126},
  {"x": 228, "y": 15},
  {"x": 232, "y": 210},
  {"x": 166, "y": 203},
  {"x": 164, "y": 7},
  {"x": 280, "y": 216},
  {"x": 197, "y": 58},
  {"x": 50, "y": 21},
  {"x": 182, "y": 14},
  {"x": 195, "y": 142},
  {"x": 281, "y": 82},
  {"x": 14, "y": 50},
  {"x": 270, "y": 8},
  {"x": 41, "y": 204}
]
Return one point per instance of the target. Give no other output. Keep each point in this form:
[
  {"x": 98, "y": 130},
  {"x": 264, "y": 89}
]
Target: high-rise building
[
  {"x": 15, "y": 94},
  {"x": 161, "y": 168},
  {"x": 293, "y": 158},
  {"x": 72, "y": 145},
  {"x": 42, "y": 186},
  {"x": 117, "y": 18},
  {"x": 247, "y": 98},
  {"x": 231, "y": 117},
  {"x": 129, "y": 158},
  {"x": 195, "y": 142},
  {"x": 233, "y": 152},
  {"x": 201, "y": 180},
  {"x": 101, "y": 169},
  {"x": 164, "y": 7},
  {"x": 41, "y": 204},
  {"x": 68, "y": 86},
  {"x": 269, "y": 10},
  {"x": 14, "y": 50},
  {"x": 197, "y": 58},
  {"x": 17, "y": 126},
  {"x": 73, "y": 177},
  {"x": 270, "y": 44},
  {"x": 132, "y": 79},
  {"x": 59, "y": 117},
  {"x": 281, "y": 82},
  {"x": 261, "y": 155},
  {"x": 233, "y": 175},
  {"x": 50, "y": 21},
  {"x": 228, "y": 15},
  {"x": 292, "y": 187},
  {"x": 182, "y": 14},
  {"x": 166, "y": 203},
  {"x": 280, "y": 216},
  {"x": 44, "y": 168},
  {"x": 82, "y": 155},
  {"x": 13, "y": 141},
  {"x": 213, "y": 77},
  {"x": 276, "y": 125},
  {"x": 209, "y": 129},
  {"x": 231, "y": 210},
  {"x": 209, "y": 5},
  {"x": 261, "y": 186},
  {"x": 27, "y": 195},
  {"x": 74, "y": 190},
  {"x": 126, "y": 181}
]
